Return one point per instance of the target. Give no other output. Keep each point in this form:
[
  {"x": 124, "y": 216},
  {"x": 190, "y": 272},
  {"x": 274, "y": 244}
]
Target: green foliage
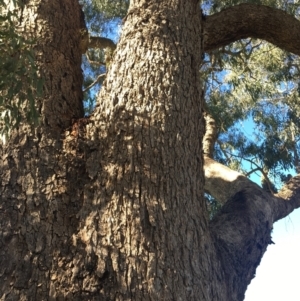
[
  {"x": 111, "y": 9},
  {"x": 20, "y": 83},
  {"x": 253, "y": 92},
  {"x": 103, "y": 18}
]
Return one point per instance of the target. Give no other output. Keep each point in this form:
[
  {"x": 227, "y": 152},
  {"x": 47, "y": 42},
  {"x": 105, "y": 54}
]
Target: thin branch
[
  {"x": 223, "y": 151},
  {"x": 265, "y": 175},
  {"x": 252, "y": 171},
  {"x": 95, "y": 82},
  {"x": 294, "y": 150},
  {"x": 94, "y": 62}
]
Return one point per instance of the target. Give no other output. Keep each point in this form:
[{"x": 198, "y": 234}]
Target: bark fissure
[
  {"x": 112, "y": 207},
  {"x": 146, "y": 109}
]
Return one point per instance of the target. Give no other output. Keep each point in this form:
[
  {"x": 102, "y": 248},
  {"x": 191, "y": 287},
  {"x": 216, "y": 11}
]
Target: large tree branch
[
  {"x": 242, "y": 232},
  {"x": 87, "y": 42},
  {"x": 242, "y": 228},
  {"x": 290, "y": 195},
  {"x": 223, "y": 183},
  {"x": 250, "y": 20}
]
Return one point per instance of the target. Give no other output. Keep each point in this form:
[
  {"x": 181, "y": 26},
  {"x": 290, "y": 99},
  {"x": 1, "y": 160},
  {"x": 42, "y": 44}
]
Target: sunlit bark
[{"x": 111, "y": 207}]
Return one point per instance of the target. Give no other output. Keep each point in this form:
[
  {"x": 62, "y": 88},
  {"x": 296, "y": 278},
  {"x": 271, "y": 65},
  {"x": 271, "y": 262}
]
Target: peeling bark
[{"x": 210, "y": 135}]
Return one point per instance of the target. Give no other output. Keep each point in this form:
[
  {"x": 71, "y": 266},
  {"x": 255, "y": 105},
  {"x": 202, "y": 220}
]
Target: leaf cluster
[
  {"x": 252, "y": 90},
  {"x": 20, "y": 82}
]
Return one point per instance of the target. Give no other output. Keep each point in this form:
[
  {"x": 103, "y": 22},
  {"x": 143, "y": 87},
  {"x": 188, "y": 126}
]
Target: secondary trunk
[
  {"x": 111, "y": 207},
  {"x": 131, "y": 223},
  {"x": 40, "y": 180},
  {"x": 150, "y": 231}
]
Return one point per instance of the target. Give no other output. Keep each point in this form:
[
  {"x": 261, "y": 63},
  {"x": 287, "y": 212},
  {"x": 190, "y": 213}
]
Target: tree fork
[{"x": 112, "y": 208}]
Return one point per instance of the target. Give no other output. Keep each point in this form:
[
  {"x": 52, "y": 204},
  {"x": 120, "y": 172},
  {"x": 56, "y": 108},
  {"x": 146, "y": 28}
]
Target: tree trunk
[
  {"x": 111, "y": 207},
  {"x": 41, "y": 187},
  {"x": 148, "y": 180},
  {"x": 114, "y": 211}
]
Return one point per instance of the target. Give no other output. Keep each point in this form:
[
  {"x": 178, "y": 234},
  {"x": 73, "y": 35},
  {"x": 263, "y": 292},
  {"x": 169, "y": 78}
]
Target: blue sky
[{"x": 277, "y": 277}]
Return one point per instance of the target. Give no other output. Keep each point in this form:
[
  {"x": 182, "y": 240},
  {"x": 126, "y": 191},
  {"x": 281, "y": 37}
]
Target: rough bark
[
  {"x": 150, "y": 140},
  {"x": 112, "y": 207},
  {"x": 109, "y": 208},
  {"x": 40, "y": 172}
]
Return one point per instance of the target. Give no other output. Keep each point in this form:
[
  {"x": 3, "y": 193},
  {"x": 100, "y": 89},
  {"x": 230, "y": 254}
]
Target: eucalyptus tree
[
  {"x": 247, "y": 81},
  {"x": 111, "y": 206},
  {"x": 251, "y": 81},
  {"x": 18, "y": 72}
]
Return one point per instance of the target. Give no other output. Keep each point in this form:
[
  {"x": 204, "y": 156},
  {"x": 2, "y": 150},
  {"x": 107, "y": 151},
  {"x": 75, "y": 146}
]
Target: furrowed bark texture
[
  {"x": 121, "y": 217},
  {"x": 151, "y": 218},
  {"x": 111, "y": 207},
  {"x": 40, "y": 178}
]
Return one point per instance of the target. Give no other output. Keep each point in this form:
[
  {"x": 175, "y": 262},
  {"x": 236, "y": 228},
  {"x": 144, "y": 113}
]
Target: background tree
[{"x": 111, "y": 207}]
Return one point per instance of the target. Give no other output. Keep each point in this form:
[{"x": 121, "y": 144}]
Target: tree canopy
[
  {"x": 110, "y": 204},
  {"x": 254, "y": 81},
  {"x": 19, "y": 77},
  {"x": 251, "y": 89}
]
